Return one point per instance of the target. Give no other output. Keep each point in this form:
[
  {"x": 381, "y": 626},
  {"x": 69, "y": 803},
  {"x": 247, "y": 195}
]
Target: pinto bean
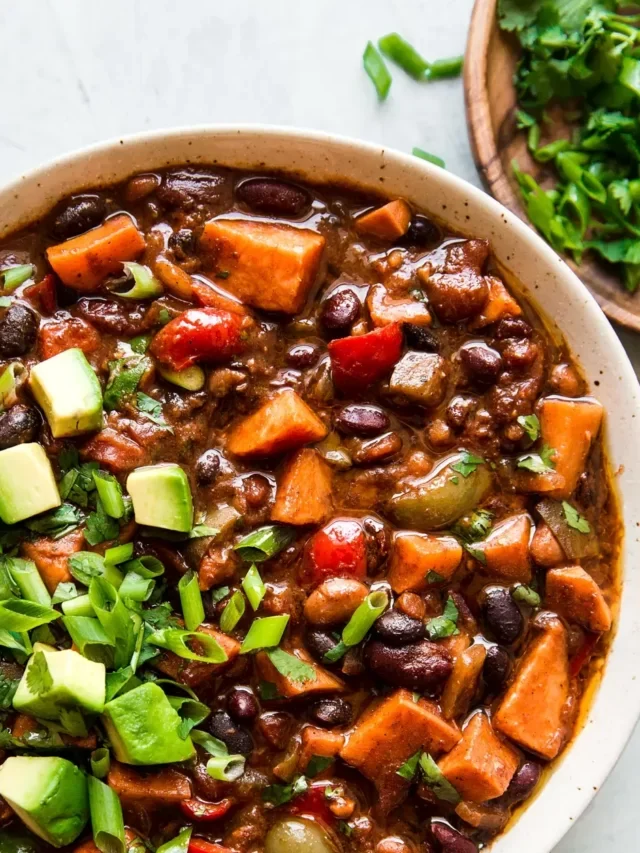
[
  {"x": 376, "y": 450},
  {"x": 186, "y": 187},
  {"x": 412, "y": 605},
  {"x": 362, "y": 420},
  {"x": 422, "y": 666},
  {"x": 331, "y": 712},
  {"x": 503, "y": 615},
  {"x": 18, "y": 330},
  {"x": 79, "y": 214},
  {"x": 334, "y": 601},
  {"x": 398, "y": 629},
  {"x": 18, "y": 425},
  {"x": 450, "y": 840},
  {"x": 458, "y": 296},
  {"x": 257, "y": 490},
  {"x": 270, "y": 195},
  {"x": 339, "y": 311}
]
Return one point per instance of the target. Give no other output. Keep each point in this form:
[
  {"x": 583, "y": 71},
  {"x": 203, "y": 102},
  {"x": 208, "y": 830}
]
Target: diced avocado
[
  {"x": 143, "y": 728},
  {"x": 75, "y": 683},
  {"x": 49, "y": 794},
  {"x": 161, "y": 497},
  {"x": 27, "y": 484},
  {"x": 67, "y": 389}
]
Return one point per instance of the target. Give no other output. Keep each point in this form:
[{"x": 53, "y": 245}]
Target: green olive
[
  {"x": 443, "y": 496},
  {"x": 295, "y": 835}
]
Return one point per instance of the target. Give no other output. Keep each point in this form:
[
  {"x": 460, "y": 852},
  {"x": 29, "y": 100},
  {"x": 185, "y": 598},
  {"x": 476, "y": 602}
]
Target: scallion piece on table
[
  {"x": 441, "y": 68},
  {"x": 146, "y": 567},
  {"x": 119, "y": 554},
  {"x": 13, "y": 277},
  {"x": 107, "y": 821},
  {"x": 110, "y": 493},
  {"x": 403, "y": 54},
  {"x": 100, "y": 762},
  {"x": 254, "y": 587},
  {"x": 430, "y": 158},
  {"x": 136, "y": 588},
  {"x": 191, "y": 601},
  {"x": 377, "y": 71},
  {"x": 27, "y": 577},
  {"x": 179, "y": 844},
  {"x": 19, "y": 616},
  {"x": 90, "y": 638},
  {"x": 264, "y": 633},
  {"x": 177, "y": 641},
  {"x": 145, "y": 284},
  {"x": 226, "y": 768},
  {"x": 233, "y": 612},
  {"x": 78, "y": 606}
]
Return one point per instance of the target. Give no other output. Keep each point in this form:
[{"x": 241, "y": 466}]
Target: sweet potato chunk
[
  {"x": 386, "y": 736},
  {"x": 51, "y": 557},
  {"x": 271, "y": 266},
  {"x": 387, "y": 222},
  {"x": 304, "y": 490},
  {"x": 506, "y": 549},
  {"x": 574, "y": 594},
  {"x": 532, "y": 712},
  {"x": 499, "y": 304},
  {"x": 324, "y": 682},
  {"x": 414, "y": 555},
  {"x": 385, "y": 309},
  {"x": 320, "y": 742},
  {"x": 160, "y": 787},
  {"x": 545, "y": 549},
  {"x": 463, "y": 681},
  {"x": 191, "y": 672},
  {"x": 282, "y": 423}
]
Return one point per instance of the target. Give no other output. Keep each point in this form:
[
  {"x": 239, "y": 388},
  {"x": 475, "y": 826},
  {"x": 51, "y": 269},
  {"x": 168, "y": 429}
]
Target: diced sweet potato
[
  {"x": 574, "y": 594},
  {"x": 499, "y": 304},
  {"x": 160, "y": 787},
  {"x": 390, "y": 733},
  {"x": 386, "y": 222},
  {"x": 324, "y": 682},
  {"x": 320, "y": 742},
  {"x": 545, "y": 549},
  {"x": 282, "y": 423},
  {"x": 194, "y": 673},
  {"x": 463, "y": 681},
  {"x": 303, "y": 495},
  {"x": 72, "y": 332},
  {"x": 385, "y": 309},
  {"x": 480, "y": 766},
  {"x": 271, "y": 266},
  {"x": 506, "y": 549},
  {"x": 414, "y": 555},
  {"x": 532, "y": 712},
  {"x": 85, "y": 261},
  {"x": 51, "y": 557}
]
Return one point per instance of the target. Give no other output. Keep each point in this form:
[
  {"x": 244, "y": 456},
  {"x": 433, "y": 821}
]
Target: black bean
[
  {"x": 237, "y": 739},
  {"x": 361, "y": 420},
  {"x": 270, "y": 195},
  {"x": 422, "y": 232},
  {"x": 458, "y": 411},
  {"x": 503, "y": 615},
  {"x": 422, "y": 666},
  {"x": 398, "y": 629},
  {"x": 242, "y": 705},
  {"x": 207, "y": 467},
  {"x": 18, "y": 330},
  {"x": 319, "y": 643},
  {"x": 450, "y": 840},
  {"x": 482, "y": 364},
  {"x": 19, "y": 425},
  {"x": 339, "y": 311},
  {"x": 302, "y": 355},
  {"x": 524, "y": 781},
  {"x": 331, "y": 712},
  {"x": 496, "y": 669},
  {"x": 513, "y": 327},
  {"x": 79, "y": 214},
  {"x": 420, "y": 338},
  {"x": 182, "y": 243}
]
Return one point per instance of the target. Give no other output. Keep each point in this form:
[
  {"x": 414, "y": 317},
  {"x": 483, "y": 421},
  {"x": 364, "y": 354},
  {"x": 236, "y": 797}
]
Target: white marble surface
[{"x": 76, "y": 72}]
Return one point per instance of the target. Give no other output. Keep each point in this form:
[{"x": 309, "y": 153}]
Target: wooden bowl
[{"x": 491, "y": 103}]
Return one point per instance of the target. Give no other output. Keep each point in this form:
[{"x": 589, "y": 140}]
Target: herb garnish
[
  {"x": 538, "y": 463},
  {"x": 526, "y": 594},
  {"x": 467, "y": 463},
  {"x": 574, "y": 519},
  {"x": 531, "y": 425},
  {"x": 446, "y": 625}
]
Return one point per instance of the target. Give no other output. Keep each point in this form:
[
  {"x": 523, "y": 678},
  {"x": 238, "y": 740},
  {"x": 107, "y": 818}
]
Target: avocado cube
[
  {"x": 161, "y": 497},
  {"x": 27, "y": 484},
  {"x": 67, "y": 389},
  {"x": 49, "y": 794},
  {"x": 143, "y": 727},
  {"x": 76, "y": 682}
]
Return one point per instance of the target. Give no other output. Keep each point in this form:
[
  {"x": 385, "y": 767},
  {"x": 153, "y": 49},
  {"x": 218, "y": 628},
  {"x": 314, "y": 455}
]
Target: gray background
[{"x": 75, "y": 72}]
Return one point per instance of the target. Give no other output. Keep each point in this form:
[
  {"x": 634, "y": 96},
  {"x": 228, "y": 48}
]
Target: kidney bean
[
  {"x": 422, "y": 232},
  {"x": 18, "y": 425},
  {"x": 184, "y": 187},
  {"x": 496, "y": 669},
  {"x": 238, "y": 740},
  {"x": 523, "y": 782},
  {"x": 257, "y": 490},
  {"x": 339, "y": 311},
  {"x": 398, "y": 629},
  {"x": 242, "y": 705},
  {"x": 376, "y": 450},
  {"x": 303, "y": 355},
  {"x": 182, "y": 243},
  {"x": 482, "y": 364},
  {"x": 417, "y": 337},
  {"x": 319, "y": 643},
  {"x": 113, "y": 318},
  {"x": 331, "y": 712},
  {"x": 377, "y": 538},
  {"x": 79, "y": 214},
  {"x": 503, "y": 615},
  {"x": 270, "y": 195},
  {"x": 334, "y": 601},
  {"x": 422, "y": 666},
  {"x": 207, "y": 467},
  {"x": 363, "y": 420},
  {"x": 18, "y": 330},
  {"x": 519, "y": 355},
  {"x": 450, "y": 840},
  {"x": 512, "y": 327}
]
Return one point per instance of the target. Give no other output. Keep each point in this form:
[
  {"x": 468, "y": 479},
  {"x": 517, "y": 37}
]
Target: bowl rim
[{"x": 530, "y": 834}]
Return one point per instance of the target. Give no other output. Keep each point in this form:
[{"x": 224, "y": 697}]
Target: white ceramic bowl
[{"x": 547, "y": 281}]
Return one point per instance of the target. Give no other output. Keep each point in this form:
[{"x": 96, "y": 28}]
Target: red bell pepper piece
[
  {"x": 43, "y": 294},
  {"x": 361, "y": 360},
  {"x": 583, "y": 654},
  {"x": 338, "y": 550},
  {"x": 313, "y": 803},
  {"x": 199, "y": 845},
  {"x": 201, "y": 811},
  {"x": 200, "y": 334}
]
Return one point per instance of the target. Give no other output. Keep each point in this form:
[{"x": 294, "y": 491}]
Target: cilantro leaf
[
  {"x": 268, "y": 691},
  {"x": 152, "y": 409},
  {"x": 467, "y": 463},
  {"x": 39, "y": 680},
  {"x": 574, "y": 519},
  {"x": 56, "y": 523},
  {"x": 65, "y": 591},
  {"x": 124, "y": 377},
  {"x": 538, "y": 463},
  {"x": 476, "y": 553},
  {"x": 291, "y": 667},
  {"x": 526, "y": 594},
  {"x": 437, "y": 781},
  {"x": 531, "y": 425},
  {"x": 85, "y": 565},
  {"x": 518, "y": 14},
  {"x": 73, "y": 722},
  {"x": 278, "y": 795},
  {"x": 409, "y": 769},
  {"x": 100, "y": 526},
  {"x": 200, "y": 531},
  {"x": 474, "y": 527},
  {"x": 445, "y": 625},
  {"x": 435, "y": 577},
  {"x": 317, "y": 764}
]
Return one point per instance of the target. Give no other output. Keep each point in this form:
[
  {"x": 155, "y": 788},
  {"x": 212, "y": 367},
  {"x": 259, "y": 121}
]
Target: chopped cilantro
[
  {"x": 100, "y": 527},
  {"x": 409, "y": 768},
  {"x": 434, "y": 577},
  {"x": 467, "y": 463},
  {"x": 538, "y": 463},
  {"x": 317, "y": 764},
  {"x": 524, "y": 593},
  {"x": 437, "y": 781},
  {"x": 291, "y": 667},
  {"x": 345, "y": 828},
  {"x": 474, "y": 527},
  {"x": 39, "y": 680},
  {"x": 56, "y": 523},
  {"x": 124, "y": 377},
  {"x": 531, "y": 425},
  {"x": 476, "y": 553},
  {"x": 278, "y": 795},
  {"x": 152, "y": 409},
  {"x": 268, "y": 691},
  {"x": 445, "y": 625},
  {"x": 574, "y": 519}
]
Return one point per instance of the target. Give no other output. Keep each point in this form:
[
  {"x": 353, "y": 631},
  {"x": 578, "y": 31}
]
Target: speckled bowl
[{"x": 546, "y": 280}]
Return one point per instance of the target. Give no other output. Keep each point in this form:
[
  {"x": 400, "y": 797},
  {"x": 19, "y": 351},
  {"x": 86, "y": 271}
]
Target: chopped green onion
[
  {"x": 13, "y": 277},
  {"x": 119, "y": 554},
  {"x": 90, "y": 638},
  {"x": 211, "y": 744},
  {"x": 254, "y": 587},
  {"x": 107, "y": 822},
  {"x": 136, "y": 588},
  {"x": 19, "y": 616},
  {"x": 179, "y": 844},
  {"x": 191, "y": 712},
  {"x": 27, "y": 577},
  {"x": 65, "y": 591},
  {"x": 264, "y": 633},
  {"x": 12, "y": 377},
  {"x": 203, "y": 531},
  {"x": 233, "y": 612},
  {"x": 176, "y": 640},
  {"x": 145, "y": 284},
  {"x": 146, "y": 567},
  {"x": 377, "y": 71},
  {"x": 441, "y": 68},
  {"x": 110, "y": 493},
  {"x": 219, "y": 593},
  {"x": 114, "y": 617},
  {"x": 362, "y": 620},
  {"x": 19, "y": 643},
  {"x": 394, "y": 47},
  {"x": 264, "y": 543},
  {"x": 430, "y": 158},
  {"x": 78, "y": 606},
  {"x": 191, "y": 601},
  {"x": 226, "y": 768},
  {"x": 100, "y": 762}
]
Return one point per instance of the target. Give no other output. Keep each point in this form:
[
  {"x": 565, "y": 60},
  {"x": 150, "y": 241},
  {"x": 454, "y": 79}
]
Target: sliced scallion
[
  {"x": 19, "y": 616},
  {"x": 264, "y": 633},
  {"x": 145, "y": 284},
  {"x": 233, "y": 612},
  {"x": 254, "y": 587},
  {"x": 179, "y": 844},
  {"x": 376, "y": 70},
  {"x": 264, "y": 543},
  {"x": 90, "y": 638},
  {"x": 191, "y": 601},
  {"x": 190, "y": 378},
  {"x": 110, "y": 493},
  {"x": 13, "y": 277},
  {"x": 107, "y": 821},
  {"x": 362, "y": 620},
  {"x": 78, "y": 606},
  {"x": 430, "y": 158},
  {"x": 136, "y": 588},
  {"x": 441, "y": 68},
  {"x": 100, "y": 762},
  {"x": 403, "y": 54},
  {"x": 119, "y": 554},
  {"x": 27, "y": 577},
  {"x": 146, "y": 567},
  {"x": 114, "y": 617},
  {"x": 226, "y": 768},
  {"x": 177, "y": 641},
  {"x": 65, "y": 591}
]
